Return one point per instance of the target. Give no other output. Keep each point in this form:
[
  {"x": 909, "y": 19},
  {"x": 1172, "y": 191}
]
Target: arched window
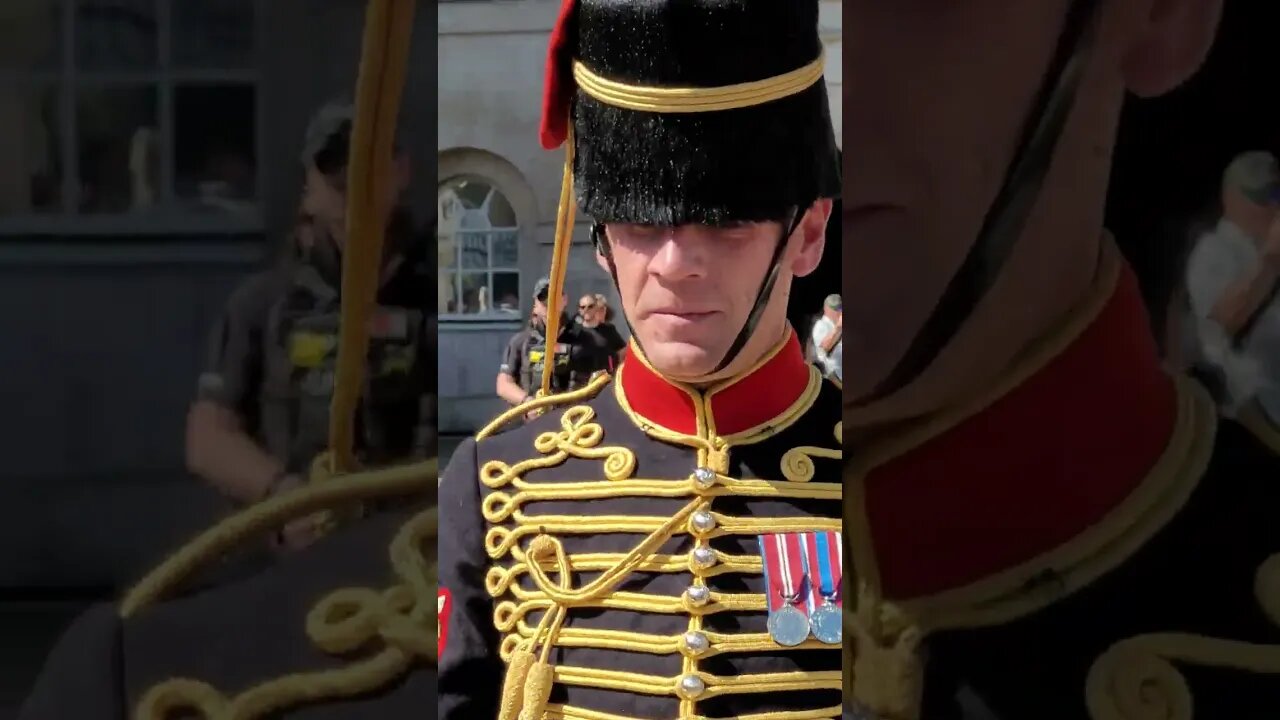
[{"x": 478, "y": 245}]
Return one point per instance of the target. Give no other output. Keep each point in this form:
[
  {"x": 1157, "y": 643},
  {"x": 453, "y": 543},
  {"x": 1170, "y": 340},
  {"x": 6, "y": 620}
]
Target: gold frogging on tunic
[
  {"x": 526, "y": 645},
  {"x": 1137, "y": 678}
]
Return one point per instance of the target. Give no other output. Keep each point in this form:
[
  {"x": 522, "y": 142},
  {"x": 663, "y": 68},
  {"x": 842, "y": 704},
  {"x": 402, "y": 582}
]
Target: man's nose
[{"x": 682, "y": 255}]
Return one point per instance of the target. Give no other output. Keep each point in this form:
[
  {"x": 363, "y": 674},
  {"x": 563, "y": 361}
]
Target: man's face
[
  {"x": 687, "y": 291},
  {"x": 587, "y": 309},
  {"x": 927, "y": 147},
  {"x": 940, "y": 90},
  {"x": 540, "y": 308},
  {"x": 325, "y": 195},
  {"x": 325, "y": 199}
]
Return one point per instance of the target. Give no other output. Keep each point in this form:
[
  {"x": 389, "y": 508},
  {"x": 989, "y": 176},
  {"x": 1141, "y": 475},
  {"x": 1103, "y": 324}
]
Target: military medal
[
  {"x": 823, "y": 568},
  {"x": 784, "y": 578}
]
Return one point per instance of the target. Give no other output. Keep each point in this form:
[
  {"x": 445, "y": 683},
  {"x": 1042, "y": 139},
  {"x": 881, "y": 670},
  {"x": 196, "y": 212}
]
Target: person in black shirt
[
  {"x": 261, "y": 413},
  {"x": 521, "y": 371},
  {"x": 595, "y": 317}
]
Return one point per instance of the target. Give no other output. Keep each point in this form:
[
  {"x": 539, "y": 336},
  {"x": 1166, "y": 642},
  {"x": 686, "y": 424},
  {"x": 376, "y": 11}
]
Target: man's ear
[
  {"x": 811, "y": 234},
  {"x": 598, "y": 239},
  {"x": 1169, "y": 45}
]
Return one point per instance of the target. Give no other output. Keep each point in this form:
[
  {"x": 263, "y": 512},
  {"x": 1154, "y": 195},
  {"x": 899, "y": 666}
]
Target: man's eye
[{"x": 641, "y": 233}]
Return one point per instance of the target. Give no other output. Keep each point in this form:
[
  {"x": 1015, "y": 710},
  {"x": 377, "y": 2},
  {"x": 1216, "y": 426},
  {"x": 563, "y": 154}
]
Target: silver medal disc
[
  {"x": 828, "y": 623},
  {"x": 788, "y": 626}
]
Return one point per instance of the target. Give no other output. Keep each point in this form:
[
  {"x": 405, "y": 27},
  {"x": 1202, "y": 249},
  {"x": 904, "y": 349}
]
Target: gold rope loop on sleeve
[{"x": 697, "y": 99}]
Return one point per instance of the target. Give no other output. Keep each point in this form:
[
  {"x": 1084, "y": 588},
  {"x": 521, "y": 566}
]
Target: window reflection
[
  {"x": 116, "y": 35},
  {"x": 213, "y": 34},
  {"x": 118, "y": 149},
  {"x": 215, "y": 162},
  {"x": 30, "y": 174},
  {"x": 95, "y": 112}
]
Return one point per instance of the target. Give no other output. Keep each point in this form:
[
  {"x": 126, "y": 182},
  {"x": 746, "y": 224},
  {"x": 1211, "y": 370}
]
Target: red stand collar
[
  {"x": 1033, "y": 469},
  {"x": 736, "y": 405}
]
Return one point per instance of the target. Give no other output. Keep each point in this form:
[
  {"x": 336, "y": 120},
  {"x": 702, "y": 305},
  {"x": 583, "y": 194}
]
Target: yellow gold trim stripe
[
  {"x": 697, "y": 99},
  {"x": 720, "y": 643},
  {"x": 716, "y": 685},
  {"x": 568, "y": 712}
]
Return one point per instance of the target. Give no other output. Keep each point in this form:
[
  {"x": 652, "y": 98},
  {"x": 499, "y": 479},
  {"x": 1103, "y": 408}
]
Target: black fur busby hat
[{"x": 691, "y": 111}]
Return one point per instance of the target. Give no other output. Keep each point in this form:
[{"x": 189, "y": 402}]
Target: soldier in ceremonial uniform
[
  {"x": 664, "y": 543},
  {"x": 1043, "y": 524}
]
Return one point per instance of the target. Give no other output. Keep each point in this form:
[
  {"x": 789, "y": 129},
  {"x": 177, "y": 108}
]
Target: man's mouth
[{"x": 683, "y": 314}]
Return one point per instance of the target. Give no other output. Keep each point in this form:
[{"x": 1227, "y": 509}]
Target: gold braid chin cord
[{"x": 391, "y": 627}]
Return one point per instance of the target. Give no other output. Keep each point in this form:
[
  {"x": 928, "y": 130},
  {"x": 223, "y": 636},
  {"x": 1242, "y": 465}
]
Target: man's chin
[{"x": 683, "y": 361}]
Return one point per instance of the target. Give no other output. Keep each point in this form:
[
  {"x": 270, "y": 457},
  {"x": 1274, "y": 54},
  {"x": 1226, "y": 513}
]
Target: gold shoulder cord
[{"x": 395, "y": 621}]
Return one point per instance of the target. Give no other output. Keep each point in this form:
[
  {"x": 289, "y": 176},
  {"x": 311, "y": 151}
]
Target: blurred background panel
[{"x": 151, "y": 161}]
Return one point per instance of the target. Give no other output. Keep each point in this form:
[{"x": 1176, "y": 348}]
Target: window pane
[
  {"x": 475, "y": 204},
  {"x": 116, "y": 35},
  {"x": 470, "y": 192},
  {"x": 501, "y": 214},
  {"x": 506, "y": 290},
  {"x": 215, "y": 163},
  {"x": 446, "y": 251},
  {"x": 213, "y": 34},
  {"x": 118, "y": 147},
  {"x": 506, "y": 249},
  {"x": 476, "y": 296},
  {"x": 448, "y": 288},
  {"x": 31, "y": 175},
  {"x": 475, "y": 248},
  {"x": 30, "y": 34}
]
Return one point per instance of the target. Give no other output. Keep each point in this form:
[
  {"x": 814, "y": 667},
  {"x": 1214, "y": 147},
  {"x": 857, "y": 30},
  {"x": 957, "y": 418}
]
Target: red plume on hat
[{"x": 559, "y": 85}]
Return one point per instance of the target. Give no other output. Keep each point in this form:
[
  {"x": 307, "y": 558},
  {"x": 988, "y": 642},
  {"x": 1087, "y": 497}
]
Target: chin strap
[
  {"x": 1006, "y": 220},
  {"x": 763, "y": 294}
]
